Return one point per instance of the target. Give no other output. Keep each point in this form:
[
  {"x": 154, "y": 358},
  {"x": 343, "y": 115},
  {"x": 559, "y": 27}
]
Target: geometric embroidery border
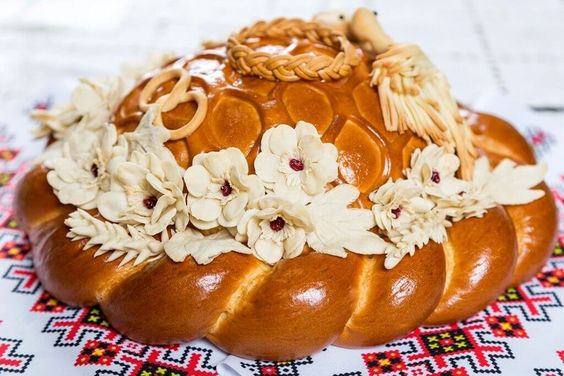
[
  {"x": 548, "y": 372},
  {"x": 152, "y": 360},
  {"x": 533, "y": 304},
  {"x": 268, "y": 368},
  {"x": 74, "y": 329},
  {"x": 71, "y": 330},
  {"x": 482, "y": 355},
  {"x": 24, "y": 273},
  {"x": 10, "y": 351}
]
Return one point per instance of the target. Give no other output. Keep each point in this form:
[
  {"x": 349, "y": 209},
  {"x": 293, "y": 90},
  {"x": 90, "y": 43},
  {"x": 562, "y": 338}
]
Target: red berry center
[
  {"x": 296, "y": 164},
  {"x": 435, "y": 177},
  {"x": 94, "y": 170},
  {"x": 396, "y": 212},
  {"x": 226, "y": 189},
  {"x": 42, "y": 106},
  {"x": 150, "y": 202},
  {"x": 277, "y": 224}
]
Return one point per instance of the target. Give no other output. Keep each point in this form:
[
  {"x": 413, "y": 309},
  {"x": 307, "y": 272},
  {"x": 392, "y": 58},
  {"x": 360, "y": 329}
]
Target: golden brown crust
[
  {"x": 480, "y": 254},
  {"x": 536, "y": 226},
  {"x": 386, "y": 311},
  {"x": 536, "y": 223},
  {"x": 72, "y": 274},
  {"x": 496, "y": 136},
  {"x": 298, "y": 309},
  {"x": 35, "y": 202},
  {"x": 172, "y": 302}
]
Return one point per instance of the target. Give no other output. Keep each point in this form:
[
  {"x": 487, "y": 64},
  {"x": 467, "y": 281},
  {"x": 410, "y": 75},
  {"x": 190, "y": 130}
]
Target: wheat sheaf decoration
[{"x": 414, "y": 94}]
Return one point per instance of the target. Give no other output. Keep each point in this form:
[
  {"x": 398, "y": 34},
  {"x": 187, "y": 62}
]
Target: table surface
[{"x": 510, "y": 47}]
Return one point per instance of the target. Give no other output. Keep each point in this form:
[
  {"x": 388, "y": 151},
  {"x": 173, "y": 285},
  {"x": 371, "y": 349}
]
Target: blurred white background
[{"x": 510, "y": 46}]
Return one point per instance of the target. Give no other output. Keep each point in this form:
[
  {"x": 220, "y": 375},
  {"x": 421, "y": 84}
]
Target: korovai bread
[{"x": 298, "y": 305}]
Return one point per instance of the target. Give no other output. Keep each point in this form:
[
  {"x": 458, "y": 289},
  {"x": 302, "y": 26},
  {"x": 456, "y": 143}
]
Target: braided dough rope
[
  {"x": 292, "y": 67},
  {"x": 179, "y": 94}
]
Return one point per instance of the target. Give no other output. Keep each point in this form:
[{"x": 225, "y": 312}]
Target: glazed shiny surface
[
  {"x": 481, "y": 255},
  {"x": 298, "y": 306},
  {"x": 534, "y": 245},
  {"x": 385, "y": 309},
  {"x": 176, "y": 302},
  {"x": 309, "y": 294},
  {"x": 495, "y": 136},
  {"x": 76, "y": 275},
  {"x": 536, "y": 223}
]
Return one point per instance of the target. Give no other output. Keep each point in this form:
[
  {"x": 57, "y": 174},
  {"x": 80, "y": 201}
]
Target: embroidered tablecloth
[{"x": 521, "y": 333}]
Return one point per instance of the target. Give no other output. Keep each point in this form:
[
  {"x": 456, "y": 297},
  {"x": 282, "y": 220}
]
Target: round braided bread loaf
[{"x": 299, "y": 305}]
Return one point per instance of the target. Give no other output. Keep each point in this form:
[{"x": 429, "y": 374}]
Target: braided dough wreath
[
  {"x": 244, "y": 305},
  {"x": 292, "y": 67}
]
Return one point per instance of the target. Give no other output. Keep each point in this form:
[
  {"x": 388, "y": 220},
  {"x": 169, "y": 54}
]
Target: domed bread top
[{"x": 242, "y": 109}]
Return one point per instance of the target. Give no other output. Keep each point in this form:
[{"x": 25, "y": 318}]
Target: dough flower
[
  {"x": 275, "y": 228},
  {"x": 433, "y": 169},
  {"x": 146, "y": 190},
  {"x": 91, "y": 105},
  {"x": 82, "y": 171},
  {"x": 219, "y": 188},
  {"x": 295, "y": 161},
  {"x": 430, "y": 225},
  {"x": 397, "y": 203}
]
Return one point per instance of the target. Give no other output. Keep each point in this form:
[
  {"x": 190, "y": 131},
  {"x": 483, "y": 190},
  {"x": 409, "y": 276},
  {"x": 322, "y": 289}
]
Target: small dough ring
[
  {"x": 179, "y": 94},
  {"x": 190, "y": 127},
  {"x": 184, "y": 80}
]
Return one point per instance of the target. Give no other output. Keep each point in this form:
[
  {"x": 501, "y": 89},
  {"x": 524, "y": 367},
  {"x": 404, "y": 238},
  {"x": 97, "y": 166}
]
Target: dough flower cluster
[
  {"x": 420, "y": 208},
  {"x": 150, "y": 207}
]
